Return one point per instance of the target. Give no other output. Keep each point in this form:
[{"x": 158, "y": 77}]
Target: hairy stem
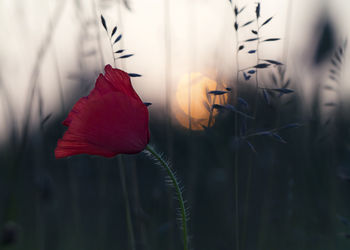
[{"x": 175, "y": 183}]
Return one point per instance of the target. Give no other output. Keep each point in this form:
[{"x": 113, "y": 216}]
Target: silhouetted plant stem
[
  {"x": 121, "y": 24},
  {"x": 10, "y": 210},
  {"x": 75, "y": 194},
  {"x": 112, "y": 52},
  {"x": 58, "y": 74},
  {"x": 236, "y": 151},
  {"x": 236, "y": 195},
  {"x": 36, "y": 72},
  {"x": 127, "y": 203},
  {"x": 10, "y": 112},
  {"x": 287, "y": 30},
  {"x": 178, "y": 191},
  {"x": 250, "y": 166},
  {"x": 264, "y": 217},
  {"x": 98, "y": 34},
  {"x": 189, "y": 101},
  {"x": 40, "y": 212},
  {"x": 236, "y": 132},
  {"x": 167, "y": 73},
  {"x": 103, "y": 212},
  {"x": 246, "y": 207},
  {"x": 191, "y": 146},
  {"x": 123, "y": 178},
  {"x": 237, "y": 48},
  {"x": 192, "y": 51},
  {"x": 138, "y": 208},
  {"x": 211, "y": 110},
  {"x": 59, "y": 79},
  {"x": 257, "y": 70},
  {"x": 168, "y": 97}
]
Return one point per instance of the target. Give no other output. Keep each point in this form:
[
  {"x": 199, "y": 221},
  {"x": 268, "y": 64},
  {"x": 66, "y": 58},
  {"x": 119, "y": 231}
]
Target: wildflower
[{"x": 111, "y": 120}]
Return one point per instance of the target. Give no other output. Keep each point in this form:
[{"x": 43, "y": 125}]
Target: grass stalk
[
  {"x": 257, "y": 69},
  {"x": 58, "y": 73},
  {"x": 138, "y": 208},
  {"x": 121, "y": 24},
  {"x": 168, "y": 67},
  {"x": 99, "y": 44},
  {"x": 236, "y": 133},
  {"x": 36, "y": 72},
  {"x": 236, "y": 151},
  {"x": 236, "y": 197},
  {"x": 250, "y": 166},
  {"x": 10, "y": 211},
  {"x": 211, "y": 112},
  {"x": 287, "y": 30},
  {"x": 127, "y": 204},
  {"x": 103, "y": 213},
  {"x": 131, "y": 234},
  {"x": 168, "y": 99},
  {"x": 75, "y": 194}
]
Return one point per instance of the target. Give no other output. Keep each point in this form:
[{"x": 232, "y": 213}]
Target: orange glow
[{"x": 199, "y": 111}]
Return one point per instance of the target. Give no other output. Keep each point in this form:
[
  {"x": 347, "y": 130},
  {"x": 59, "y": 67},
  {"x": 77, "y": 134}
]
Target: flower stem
[
  {"x": 127, "y": 205},
  {"x": 175, "y": 183}
]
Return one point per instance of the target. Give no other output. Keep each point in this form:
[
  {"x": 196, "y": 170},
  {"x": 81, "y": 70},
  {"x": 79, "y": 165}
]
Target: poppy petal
[
  {"x": 76, "y": 108},
  {"x": 108, "y": 122},
  {"x": 120, "y": 80}
]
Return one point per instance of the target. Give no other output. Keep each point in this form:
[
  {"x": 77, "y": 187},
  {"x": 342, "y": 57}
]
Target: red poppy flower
[{"x": 111, "y": 120}]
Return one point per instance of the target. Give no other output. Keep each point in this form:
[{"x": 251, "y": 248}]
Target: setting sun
[{"x": 193, "y": 111}]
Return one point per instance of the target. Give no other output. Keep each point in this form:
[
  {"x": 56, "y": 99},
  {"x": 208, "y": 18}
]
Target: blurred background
[{"x": 249, "y": 104}]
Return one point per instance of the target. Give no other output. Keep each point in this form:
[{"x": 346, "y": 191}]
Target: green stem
[
  {"x": 127, "y": 205},
  {"x": 177, "y": 189}
]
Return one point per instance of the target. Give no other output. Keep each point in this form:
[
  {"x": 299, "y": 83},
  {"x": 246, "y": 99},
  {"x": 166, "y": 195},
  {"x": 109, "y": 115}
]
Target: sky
[{"x": 195, "y": 36}]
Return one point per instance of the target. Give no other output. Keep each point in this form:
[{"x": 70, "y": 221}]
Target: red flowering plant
[{"x": 113, "y": 120}]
